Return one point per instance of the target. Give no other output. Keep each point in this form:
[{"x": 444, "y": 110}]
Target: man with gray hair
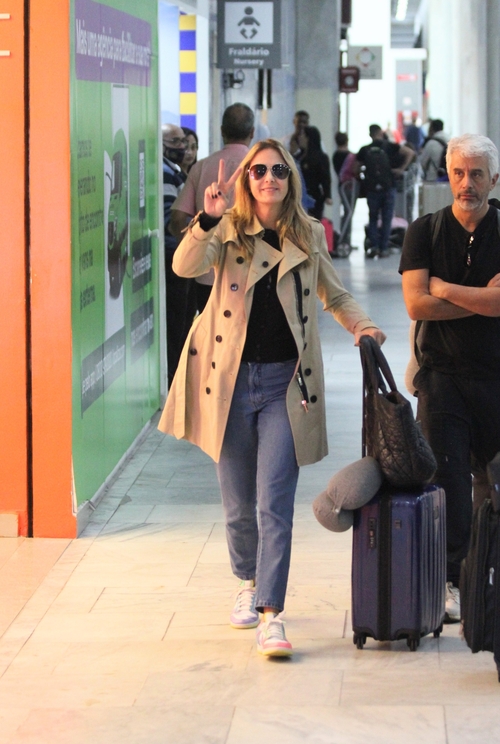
[{"x": 451, "y": 285}]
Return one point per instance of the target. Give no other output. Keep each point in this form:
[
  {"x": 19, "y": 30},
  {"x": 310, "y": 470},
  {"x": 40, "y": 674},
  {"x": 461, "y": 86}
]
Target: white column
[
  {"x": 493, "y": 68},
  {"x": 374, "y": 102},
  {"x": 317, "y": 61},
  {"x": 457, "y": 75}
]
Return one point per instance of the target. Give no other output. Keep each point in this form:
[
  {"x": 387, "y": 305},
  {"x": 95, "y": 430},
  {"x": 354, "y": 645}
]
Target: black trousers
[
  {"x": 181, "y": 309},
  {"x": 461, "y": 419}
]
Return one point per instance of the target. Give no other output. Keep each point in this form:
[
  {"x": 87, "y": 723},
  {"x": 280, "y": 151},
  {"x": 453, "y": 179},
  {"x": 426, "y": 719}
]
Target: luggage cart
[
  {"x": 405, "y": 194},
  {"x": 349, "y": 192}
]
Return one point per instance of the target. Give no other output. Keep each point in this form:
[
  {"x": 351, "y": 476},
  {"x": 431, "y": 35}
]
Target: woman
[
  {"x": 249, "y": 388},
  {"x": 315, "y": 167},
  {"x": 191, "y": 153}
]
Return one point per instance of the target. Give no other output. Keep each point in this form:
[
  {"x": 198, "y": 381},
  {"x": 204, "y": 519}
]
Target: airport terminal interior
[
  {"x": 115, "y": 581},
  {"x": 123, "y": 636}
]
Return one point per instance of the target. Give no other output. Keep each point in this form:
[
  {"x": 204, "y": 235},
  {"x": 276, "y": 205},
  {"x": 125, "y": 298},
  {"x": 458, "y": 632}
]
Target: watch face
[{"x": 118, "y": 215}]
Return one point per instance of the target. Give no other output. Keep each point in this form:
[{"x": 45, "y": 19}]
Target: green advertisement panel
[{"x": 115, "y": 232}]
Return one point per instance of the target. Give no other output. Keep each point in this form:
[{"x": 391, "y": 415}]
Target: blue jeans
[
  {"x": 380, "y": 202},
  {"x": 258, "y": 475}
]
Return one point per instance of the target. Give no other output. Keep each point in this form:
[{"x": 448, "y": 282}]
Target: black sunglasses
[{"x": 279, "y": 171}]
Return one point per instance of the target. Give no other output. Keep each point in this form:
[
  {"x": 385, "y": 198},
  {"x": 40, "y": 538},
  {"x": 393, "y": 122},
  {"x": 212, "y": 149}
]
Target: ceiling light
[{"x": 401, "y": 10}]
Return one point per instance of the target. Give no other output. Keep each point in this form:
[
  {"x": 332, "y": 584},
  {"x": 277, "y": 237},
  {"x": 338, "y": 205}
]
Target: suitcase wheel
[
  {"x": 438, "y": 631},
  {"x": 413, "y": 643},
  {"x": 342, "y": 250},
  {"x": 359, "y": 640}
]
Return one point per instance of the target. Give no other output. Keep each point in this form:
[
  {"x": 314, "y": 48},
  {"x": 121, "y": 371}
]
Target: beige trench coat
[{"x": 198, "y": 403}]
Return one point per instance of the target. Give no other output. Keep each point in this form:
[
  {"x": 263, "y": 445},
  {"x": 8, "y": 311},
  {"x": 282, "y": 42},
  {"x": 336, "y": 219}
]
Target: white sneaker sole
[
  {"x": 275, "y": 651},
  {"x": 244, "y": 626}
]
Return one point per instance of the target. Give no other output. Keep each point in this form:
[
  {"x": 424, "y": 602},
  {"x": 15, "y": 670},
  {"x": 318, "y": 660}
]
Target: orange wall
[
  {"x": 13, "y": 441},
  {"x": 51, "y": 267}
]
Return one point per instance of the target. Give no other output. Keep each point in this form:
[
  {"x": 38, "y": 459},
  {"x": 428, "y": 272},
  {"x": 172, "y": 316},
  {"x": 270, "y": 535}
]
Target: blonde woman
[{"x": 249, "y": 389}]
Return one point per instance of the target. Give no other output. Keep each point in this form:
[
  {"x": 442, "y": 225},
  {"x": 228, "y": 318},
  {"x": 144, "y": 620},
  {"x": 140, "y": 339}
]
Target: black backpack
[{"x": 378, "y": 173}]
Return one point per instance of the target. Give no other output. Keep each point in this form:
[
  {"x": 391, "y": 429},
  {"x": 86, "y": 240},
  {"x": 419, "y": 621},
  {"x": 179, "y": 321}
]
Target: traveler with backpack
[
  {"x": 433, "y": 155},
  {"x": 382, "y": 161}
]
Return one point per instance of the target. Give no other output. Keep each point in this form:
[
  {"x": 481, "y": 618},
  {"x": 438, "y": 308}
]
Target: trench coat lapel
[
  {"x": 265, "y": 257},
  {"x": 292, "y": 257}
]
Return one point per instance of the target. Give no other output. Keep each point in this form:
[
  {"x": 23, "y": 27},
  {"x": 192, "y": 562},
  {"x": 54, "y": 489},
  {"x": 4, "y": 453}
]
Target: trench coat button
[
  {"x": 240, "y": 259},
  {"x": 213, "y": 365},
  {"x": 307, "y": 372},
  {"x": 307, "y": 292},
  {"x": 208, "y": 391},
  {"x": 193, "y": 352},
  {"x": 234, "y": 287},
  {"x": 265, "y": 264},
  {"x": 227, "y": 313},
  {"x": 305, "y": 318},
  {"x": 218, "y": 339},
  {"x": 314, "y": 398}
]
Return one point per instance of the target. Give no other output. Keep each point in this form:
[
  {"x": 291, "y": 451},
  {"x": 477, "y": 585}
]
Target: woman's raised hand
[{"x": 216, "y": 197}]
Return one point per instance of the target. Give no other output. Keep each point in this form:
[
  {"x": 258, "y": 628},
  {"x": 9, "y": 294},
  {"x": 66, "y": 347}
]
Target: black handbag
[{"x": 390, "y": 433}]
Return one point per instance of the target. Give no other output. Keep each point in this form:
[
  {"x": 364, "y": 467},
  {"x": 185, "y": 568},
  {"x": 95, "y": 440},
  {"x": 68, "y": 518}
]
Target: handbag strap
[{"x": 376, "y": 368}]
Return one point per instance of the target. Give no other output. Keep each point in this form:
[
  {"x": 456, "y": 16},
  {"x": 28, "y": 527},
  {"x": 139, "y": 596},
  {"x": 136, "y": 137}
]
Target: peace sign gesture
[{"x": 216, "y": 197}]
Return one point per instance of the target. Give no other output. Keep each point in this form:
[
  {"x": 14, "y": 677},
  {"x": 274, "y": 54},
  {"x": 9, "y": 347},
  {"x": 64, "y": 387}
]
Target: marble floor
[{"x": 123, "y": 635}]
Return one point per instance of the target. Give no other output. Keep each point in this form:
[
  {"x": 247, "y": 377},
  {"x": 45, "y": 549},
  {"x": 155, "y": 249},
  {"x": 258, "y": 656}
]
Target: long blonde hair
[{"x": 293, "y": 222}]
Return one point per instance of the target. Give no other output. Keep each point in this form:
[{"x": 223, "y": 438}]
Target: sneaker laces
[
  {"x": 245, "y": 599},
  {"x": 276, "y": 627}
]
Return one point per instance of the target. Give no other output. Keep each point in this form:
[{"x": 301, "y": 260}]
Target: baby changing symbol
[{"x": 248, "y": 22}]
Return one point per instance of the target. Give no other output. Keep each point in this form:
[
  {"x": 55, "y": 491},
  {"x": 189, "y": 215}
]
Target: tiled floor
[{"x": 123, "y": 635}]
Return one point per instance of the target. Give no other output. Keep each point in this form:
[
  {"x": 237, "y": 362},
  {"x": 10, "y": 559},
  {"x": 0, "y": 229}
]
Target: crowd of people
[{"x": 244, "y": 360}]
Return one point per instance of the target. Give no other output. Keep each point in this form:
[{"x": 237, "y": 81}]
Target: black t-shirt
[
  {"x": 392, "y": 149},
  {"x": 269, "y": 338},
  {"x": 468, "y": 347}
]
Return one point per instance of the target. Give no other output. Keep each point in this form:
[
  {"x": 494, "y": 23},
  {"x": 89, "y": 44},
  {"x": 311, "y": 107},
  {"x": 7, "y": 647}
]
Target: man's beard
[{"x": 471, "y": 206}]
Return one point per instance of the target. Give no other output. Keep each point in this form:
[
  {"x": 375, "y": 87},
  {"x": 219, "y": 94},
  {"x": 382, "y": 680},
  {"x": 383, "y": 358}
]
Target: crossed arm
[{"x": 431, "y": 298}]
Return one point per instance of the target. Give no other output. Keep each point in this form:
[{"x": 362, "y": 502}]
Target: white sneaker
[
  {"x": 244, "y": 614},
  {"x": 452, "y": 605},
  {"x": 271, "y": 638}
]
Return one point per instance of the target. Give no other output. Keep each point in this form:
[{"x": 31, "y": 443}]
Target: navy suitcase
[
  {"x": 480, "y": 574},
  {"x": 479, "y": 584},
  {"x": 399, "y": 567}
]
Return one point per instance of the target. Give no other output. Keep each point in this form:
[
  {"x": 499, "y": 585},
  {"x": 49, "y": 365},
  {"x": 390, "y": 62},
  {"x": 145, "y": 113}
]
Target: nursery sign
[{"x": 249, "y": 34}]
